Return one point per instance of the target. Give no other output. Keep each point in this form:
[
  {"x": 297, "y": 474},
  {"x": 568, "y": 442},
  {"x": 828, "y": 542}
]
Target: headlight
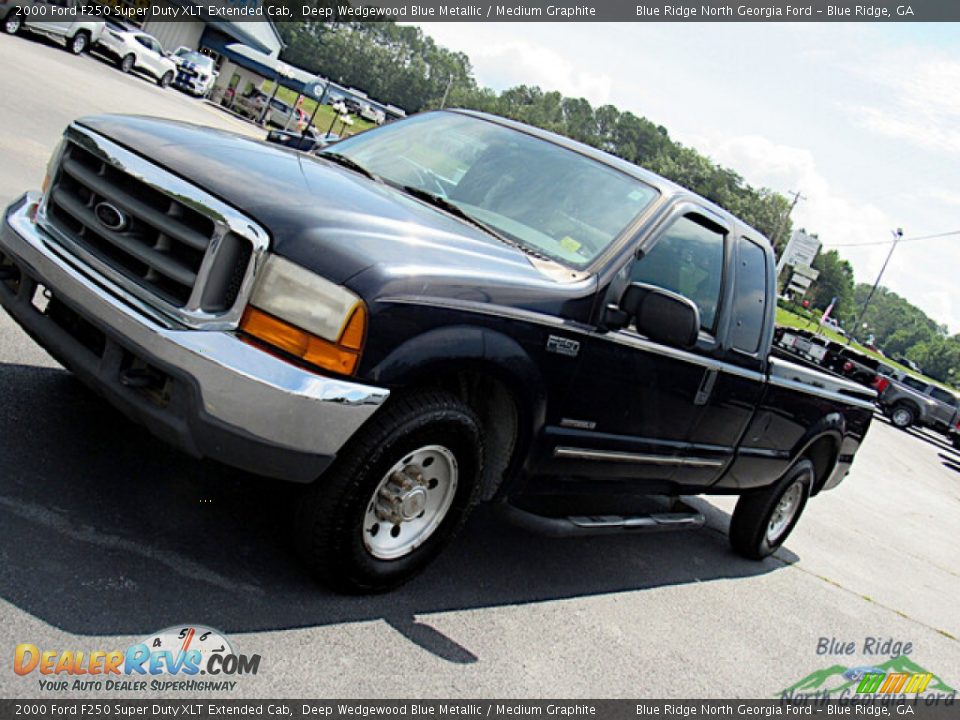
[{"x": 306, "y": 316}]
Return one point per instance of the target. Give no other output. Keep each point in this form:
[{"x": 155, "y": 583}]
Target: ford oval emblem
[{"x": 111, "y": 217}]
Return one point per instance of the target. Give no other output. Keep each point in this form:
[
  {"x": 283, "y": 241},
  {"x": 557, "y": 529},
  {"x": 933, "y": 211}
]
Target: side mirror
[{"x": 661, "y": 315}]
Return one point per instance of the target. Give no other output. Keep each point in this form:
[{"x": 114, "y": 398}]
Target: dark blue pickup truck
[{"x": 447, "y": 309}]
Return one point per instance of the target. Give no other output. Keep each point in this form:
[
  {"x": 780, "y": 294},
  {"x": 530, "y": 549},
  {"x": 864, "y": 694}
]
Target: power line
[{"x": 890, "y": 242}]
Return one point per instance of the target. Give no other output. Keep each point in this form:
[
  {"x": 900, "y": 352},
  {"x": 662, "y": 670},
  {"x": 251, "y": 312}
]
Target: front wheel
[
  {"x": 127, "y": 62},
  {"x": 78, "y": 43},
  {"x": 762, "y": 521},
  {"x": 13, "y": 23},
  {"x": 902, "y": 417},
  {"x": 395, "y": 496},
  {"x": 165, "y": 80}
]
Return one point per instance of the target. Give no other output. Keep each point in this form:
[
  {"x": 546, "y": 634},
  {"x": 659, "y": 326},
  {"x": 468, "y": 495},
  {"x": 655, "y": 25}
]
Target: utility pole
[
  {"x": 443, "y": 102},
  {"x": 897, "y": 235},
  {"x": 797, "y": 197}
]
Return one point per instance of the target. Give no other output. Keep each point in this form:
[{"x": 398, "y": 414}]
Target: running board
[{"x": 680, "y": 518}]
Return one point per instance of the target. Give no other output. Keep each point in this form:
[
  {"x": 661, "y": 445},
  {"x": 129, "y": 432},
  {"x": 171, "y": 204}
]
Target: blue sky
[{"x": 863, "y": 118}]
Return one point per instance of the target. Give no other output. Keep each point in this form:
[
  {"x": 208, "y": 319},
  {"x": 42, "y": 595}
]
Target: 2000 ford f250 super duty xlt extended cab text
[{"x": 449, "y": 308}]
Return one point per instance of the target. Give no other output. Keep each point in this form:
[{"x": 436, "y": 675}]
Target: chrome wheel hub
[
  {"x": 784, "y": 512},
  {"x": 410, "y": 502}
]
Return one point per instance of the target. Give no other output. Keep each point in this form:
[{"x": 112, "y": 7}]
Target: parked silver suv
[{"x": 908, "y": 401}]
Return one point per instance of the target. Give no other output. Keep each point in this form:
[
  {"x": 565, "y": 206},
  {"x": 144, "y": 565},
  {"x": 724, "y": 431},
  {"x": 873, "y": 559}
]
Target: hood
[{"x": 324, "y": 217}]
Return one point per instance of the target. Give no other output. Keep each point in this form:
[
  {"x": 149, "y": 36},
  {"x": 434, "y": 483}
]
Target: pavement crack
[
  {"x": 868, "y": 599},
  {"x": 185, "y": 567}
]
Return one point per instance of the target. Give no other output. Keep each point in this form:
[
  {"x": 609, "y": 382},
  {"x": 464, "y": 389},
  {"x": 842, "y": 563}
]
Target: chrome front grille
[{"x": 164, "y": 240}]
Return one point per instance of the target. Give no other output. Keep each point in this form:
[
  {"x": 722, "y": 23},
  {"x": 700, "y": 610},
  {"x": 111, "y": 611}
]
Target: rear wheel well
[
  {"x": 823, "y": 453},
  {"x": 500, "y": 415},
  {"x": 909, "y": 404}
]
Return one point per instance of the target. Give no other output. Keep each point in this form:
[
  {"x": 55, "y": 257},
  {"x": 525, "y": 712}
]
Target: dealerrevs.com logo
[{"x": 172, "y": 659}]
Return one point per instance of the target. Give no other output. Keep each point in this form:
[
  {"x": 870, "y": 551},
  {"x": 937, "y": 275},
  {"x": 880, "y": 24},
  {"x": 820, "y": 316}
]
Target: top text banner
[{"x": 482, "y": 11}]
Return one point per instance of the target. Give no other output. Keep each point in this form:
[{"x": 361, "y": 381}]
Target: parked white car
[
  {"x": 133, "y": 49},
  {"x": 195, "y": 71},
  {"x": 76, "y": 32},
  {"x": 372, "y": 114}
]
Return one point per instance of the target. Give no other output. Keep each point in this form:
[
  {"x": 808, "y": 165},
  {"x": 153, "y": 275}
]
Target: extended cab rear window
[{"x": 750, "y": 293}]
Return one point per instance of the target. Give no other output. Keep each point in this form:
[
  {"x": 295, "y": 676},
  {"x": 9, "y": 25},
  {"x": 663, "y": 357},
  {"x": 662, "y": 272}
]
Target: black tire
[
  {"x": 12, "y": 23},
  {"x": 331, "y": 514},
  {"x": 127, "y": 63},
  {"x": 165, "y": 81},
  {"x": 754, "y": 513},
  {"x": 956, "y": 441},
  {"x": 79, "y": 43},
  {"x": 902, "y": 416}
]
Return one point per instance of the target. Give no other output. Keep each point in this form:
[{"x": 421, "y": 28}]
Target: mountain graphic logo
[{"x": 836, "y": 679}]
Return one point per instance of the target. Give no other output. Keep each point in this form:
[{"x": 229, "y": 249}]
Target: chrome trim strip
[
  {"x": 225, "y": 219},
  {"x": 575, "y": 453}
]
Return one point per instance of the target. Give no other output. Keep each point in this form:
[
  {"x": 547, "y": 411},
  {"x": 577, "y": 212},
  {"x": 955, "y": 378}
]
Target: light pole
[{"x": 897, "y": 235}]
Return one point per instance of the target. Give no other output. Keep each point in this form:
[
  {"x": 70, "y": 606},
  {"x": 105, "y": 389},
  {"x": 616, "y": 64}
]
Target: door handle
[{"x": 706, "y": 387}]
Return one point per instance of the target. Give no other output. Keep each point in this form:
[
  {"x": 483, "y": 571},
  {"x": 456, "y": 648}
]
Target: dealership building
[{"x": 210, "y": 34}]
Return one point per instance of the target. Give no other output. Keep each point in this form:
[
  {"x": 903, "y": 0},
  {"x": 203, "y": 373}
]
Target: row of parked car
[
  {"x": 131, "y": 49},
  {"x": 907, "y": 400}
]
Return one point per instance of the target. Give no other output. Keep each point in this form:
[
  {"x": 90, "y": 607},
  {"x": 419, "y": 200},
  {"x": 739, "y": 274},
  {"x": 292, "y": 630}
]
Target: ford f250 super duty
[{"x": 443, "y": 310}]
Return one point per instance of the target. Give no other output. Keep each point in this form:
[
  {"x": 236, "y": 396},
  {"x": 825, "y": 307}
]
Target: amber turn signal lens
[
  {"x": 355, "y": 330},
  {"x": 341, "y": 357}
]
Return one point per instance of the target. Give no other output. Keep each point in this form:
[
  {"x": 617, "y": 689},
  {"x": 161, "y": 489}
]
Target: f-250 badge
[{"x": 563, "y": 346}]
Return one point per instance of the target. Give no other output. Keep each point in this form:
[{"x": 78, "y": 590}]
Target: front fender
[{"x": 467, "y": 348}]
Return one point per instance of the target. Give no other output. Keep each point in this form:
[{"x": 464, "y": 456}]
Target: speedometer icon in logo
[{"x": 186, "y": 638}]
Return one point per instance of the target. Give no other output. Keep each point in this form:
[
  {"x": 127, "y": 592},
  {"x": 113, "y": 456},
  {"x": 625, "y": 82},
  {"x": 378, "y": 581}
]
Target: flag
[{"x": 826, "y": 313}]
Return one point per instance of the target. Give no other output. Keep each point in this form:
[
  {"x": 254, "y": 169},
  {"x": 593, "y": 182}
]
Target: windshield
[{"x": 544, "y": 197}]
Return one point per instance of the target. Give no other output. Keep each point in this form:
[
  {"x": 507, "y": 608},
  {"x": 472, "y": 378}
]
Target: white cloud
[
  {"x": 921, "y": 102},
  {"x": 503, "y": 59},
  {"x": 846, "y": 223},
  {"x": 838, "y": 219},
  {"x": 539, "y": 65}
]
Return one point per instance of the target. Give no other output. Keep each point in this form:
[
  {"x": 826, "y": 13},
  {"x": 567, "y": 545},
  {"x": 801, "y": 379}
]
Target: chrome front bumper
[{"x": 224, "y": 399}]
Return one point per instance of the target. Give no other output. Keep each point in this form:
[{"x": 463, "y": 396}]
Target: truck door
[
  {"x": 739, "y": 379},
  {"x": 636, "y": 402}
]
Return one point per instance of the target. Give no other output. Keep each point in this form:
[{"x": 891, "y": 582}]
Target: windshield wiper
[
  {"x": 441, "y": 202},
  {"x": 349, "y": 163}
]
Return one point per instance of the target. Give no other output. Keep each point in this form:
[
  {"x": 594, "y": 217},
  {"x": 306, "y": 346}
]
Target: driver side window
[{"x": 687, "y": 259}]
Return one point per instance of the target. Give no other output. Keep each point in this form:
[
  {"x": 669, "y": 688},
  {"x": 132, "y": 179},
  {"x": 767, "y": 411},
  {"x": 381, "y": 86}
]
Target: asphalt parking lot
[{"x": 107, "y": 535}]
